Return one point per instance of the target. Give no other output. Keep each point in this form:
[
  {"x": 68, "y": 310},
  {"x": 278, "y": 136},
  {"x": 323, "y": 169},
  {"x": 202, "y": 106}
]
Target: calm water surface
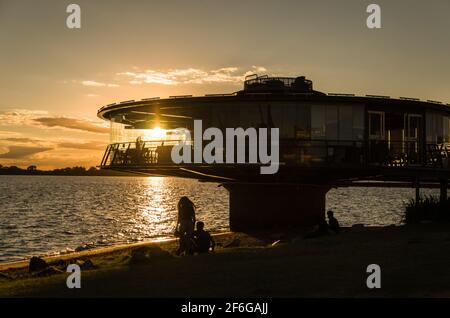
[{"x": 42, "y": 215}]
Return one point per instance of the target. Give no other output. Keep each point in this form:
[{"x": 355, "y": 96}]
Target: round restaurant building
[{"x": 325, "y": 140}]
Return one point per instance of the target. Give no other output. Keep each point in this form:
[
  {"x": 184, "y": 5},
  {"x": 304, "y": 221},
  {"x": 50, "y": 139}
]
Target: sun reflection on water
[
  {"x": 37, "y": 211},
  {"x": 155, "y": 215},
  {"x": 98, "y": 211}
]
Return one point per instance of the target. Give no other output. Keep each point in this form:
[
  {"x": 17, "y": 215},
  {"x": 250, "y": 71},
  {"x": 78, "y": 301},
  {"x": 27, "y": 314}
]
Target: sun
[{"x": 156, "y": 133}]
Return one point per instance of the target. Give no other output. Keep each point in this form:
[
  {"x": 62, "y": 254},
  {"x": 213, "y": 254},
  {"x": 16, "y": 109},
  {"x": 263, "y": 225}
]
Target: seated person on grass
[
  {"x": 333, "y": 223},
  {"x": 203, "y": 239}
]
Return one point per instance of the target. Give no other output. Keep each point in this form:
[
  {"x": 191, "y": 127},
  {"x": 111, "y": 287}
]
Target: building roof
[{"x": 256, "y": 89}]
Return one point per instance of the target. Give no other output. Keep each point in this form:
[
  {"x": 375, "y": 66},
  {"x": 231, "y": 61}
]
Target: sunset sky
[{"x": 54, "y": 79}]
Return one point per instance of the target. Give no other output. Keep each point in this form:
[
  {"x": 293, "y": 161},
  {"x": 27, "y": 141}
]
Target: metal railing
[
  {"x": 257, "y": 83},
  {"x": 320, "y": 152},
  {"x": 138, "y": 153}
]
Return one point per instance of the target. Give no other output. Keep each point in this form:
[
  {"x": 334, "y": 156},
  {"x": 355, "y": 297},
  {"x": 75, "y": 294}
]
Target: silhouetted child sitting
[
  {"x": 321, "y": 229},
  {"x": 333, "y": 223},
  {"x": 203, "y": 239}
]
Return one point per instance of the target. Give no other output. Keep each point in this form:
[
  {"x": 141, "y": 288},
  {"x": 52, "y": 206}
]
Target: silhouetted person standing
[
  {"x": 139, "y": 150},
  {"x": 333, "y": 223},
  {"x": 185, "y": 225},
  {"x": 203, "y": 239}
]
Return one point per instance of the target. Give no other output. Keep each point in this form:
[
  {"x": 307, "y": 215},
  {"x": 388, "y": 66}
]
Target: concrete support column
[
  {"x": 269, "y": 206},
  {"x": 417, "y": 186},
  {"x": 444, "y": 188}
]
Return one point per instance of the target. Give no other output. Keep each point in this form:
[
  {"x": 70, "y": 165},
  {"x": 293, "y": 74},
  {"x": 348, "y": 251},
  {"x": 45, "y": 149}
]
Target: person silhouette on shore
[
  {"x": 185, "y": 226},
  {"x": 321, "y": 229},
  {"x": 333, "y": 223},
  {"x": 203, "y": 239}
]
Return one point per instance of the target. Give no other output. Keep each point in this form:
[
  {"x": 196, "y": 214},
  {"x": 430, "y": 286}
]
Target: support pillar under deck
[
  {"x": 275, "y": 206},
  {"x": 444, "y": 189}
]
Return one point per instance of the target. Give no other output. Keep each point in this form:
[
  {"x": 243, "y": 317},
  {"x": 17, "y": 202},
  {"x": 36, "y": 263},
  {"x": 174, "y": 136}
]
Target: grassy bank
[{"x": 414, "y": 262}]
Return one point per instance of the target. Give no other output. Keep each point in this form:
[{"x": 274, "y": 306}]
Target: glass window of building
[
  {"x": 318, "y": 121},
  {"x": 331, "y": 129},
  {"x": 434, "y": 127},
  {"x": 358, "y": 122},
  {"x": 376, "y": 125},
  {"x": 345, "y": 122},
  {"x": 303, "y": 122},
  {"x": 446, "y": 129},
  {"x": 338, "y": 122}
]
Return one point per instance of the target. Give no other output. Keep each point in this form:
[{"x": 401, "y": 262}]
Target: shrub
[{"x": 428, "y": 208}]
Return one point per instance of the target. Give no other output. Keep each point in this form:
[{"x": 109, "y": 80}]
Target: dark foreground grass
[{"x": 414, "y": 261}]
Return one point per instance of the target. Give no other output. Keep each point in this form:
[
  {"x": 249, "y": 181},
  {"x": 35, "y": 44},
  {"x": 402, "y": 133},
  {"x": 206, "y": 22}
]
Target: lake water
[{"x": 43, "y": 215}]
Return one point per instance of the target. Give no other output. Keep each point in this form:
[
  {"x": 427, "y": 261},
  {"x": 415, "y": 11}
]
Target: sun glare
[{"x": 156, "y": 133}]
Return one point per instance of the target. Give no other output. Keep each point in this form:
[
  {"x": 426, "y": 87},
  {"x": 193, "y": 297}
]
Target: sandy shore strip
[
  {"x": 97, "y": 252},
  {"x": 414, "y": 262}
]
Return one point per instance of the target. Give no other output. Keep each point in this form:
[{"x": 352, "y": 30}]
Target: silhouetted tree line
[{"x": 69, "y": 171}]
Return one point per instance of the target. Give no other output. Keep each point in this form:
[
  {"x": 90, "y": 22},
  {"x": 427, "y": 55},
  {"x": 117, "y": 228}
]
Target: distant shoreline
[
  {"x": 112, "y": 174},
  {"x": 73, "y": 171}
]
